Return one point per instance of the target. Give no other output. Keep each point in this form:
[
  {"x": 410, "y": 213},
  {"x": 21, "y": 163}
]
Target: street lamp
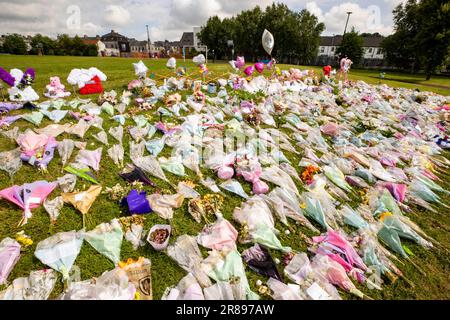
[
  {"x": 346, "y": 24},
  {"x": 148, "y": 42}
]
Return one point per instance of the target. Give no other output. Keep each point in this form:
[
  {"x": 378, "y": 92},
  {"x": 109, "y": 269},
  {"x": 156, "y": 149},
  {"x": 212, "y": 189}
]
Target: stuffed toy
[
  {"x": 92, "y": 87},
  {"x": 56, "y": 89},
  {"x": 90, "y": 78}
]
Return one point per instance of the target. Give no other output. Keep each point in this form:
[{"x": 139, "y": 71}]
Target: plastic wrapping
[
  {"x": 221, "y": 235},
  {"x": 53, "y": 208},
  {"x": 9, "y": 255},
  {"x": 111, "y": 285},
  {"x": 116, "y": 153},
  {"x": 37, "y": 286},
  {"x": 186, "y": 253},
  {"x": 10, "y": 161},
  {"x": 107, "y": 238},
  {"x": 60, "y": 251},
  {"x": 90, "y": 158}
]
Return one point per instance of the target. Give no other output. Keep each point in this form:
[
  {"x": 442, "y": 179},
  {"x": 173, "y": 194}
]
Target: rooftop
[{"x": 369, "y": 41}]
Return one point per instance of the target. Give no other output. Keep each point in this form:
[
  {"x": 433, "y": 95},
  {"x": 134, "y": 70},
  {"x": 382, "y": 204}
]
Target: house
[
  {"x": 167, "y": 48},
  {"x": 90, "y": 40},
  {"x": 116, "y": 45},
  {"x": 373, "y": 52},
  {"x": 139, "y": 49},
  {"x": 187, "y": 40}
]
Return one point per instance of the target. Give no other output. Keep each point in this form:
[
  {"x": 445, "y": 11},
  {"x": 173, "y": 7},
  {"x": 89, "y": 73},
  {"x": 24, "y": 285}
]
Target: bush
[{"x": 14, "y": 44}]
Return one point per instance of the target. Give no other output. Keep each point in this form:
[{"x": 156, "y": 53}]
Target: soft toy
[
  {"x": 56, "y": 89},
  {"x": 88, "y": 80},
  {"x": 92, "y": 87}
]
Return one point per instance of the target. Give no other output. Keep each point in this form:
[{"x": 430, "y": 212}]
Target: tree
[
  {"x": 248, "y": 33},
  {"x": 14, "y": 44},
  {"x": 297, "y": 34},
  {"x": 351, "y": 46},
  {"x": 215, "y": 35},
  {"x": 64, "y": 45},
  {"x": 422, "y": 35},
  {"x": 43, "y": 43}
]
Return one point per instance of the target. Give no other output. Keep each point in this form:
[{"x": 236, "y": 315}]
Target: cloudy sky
[{"x": 167, "y": 19}]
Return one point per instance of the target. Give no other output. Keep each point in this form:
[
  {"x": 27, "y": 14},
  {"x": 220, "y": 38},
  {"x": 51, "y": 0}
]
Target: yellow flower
[
  {"x": 303, "y": 205},
  {"x": 384, "y": 215}
]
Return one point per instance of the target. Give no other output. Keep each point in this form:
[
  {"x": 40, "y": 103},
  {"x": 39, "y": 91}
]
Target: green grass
[{"x": 166, "y": 272}]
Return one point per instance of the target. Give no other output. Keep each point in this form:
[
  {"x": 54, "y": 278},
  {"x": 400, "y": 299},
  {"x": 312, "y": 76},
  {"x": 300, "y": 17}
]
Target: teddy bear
[{"x": 56, "y": 89}]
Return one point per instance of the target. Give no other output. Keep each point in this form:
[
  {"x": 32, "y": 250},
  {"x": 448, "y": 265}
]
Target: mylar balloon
[
  {"x": 200, "y": 59},
  {"x": 171, "y": 63},
  {"x": 233, "y": 65},
  {"x": 268, "y": 41},
  {"x": 140, "y": 69},
  {"x": 249, "y": 70},
  {"x": 240, "y": 62},
  {"x": 259, "y": 67}
]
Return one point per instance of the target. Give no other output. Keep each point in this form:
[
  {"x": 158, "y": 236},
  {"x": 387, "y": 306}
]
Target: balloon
[
  {"x": 259, "y": 67},
  {"x": 240, "y": 62},
  {"x": 171, "y": 63},
  {"x": 249, "y": 70},
  {"x": 268, "y": 41},
  {"x": 270, "y": 64},
  {"x": 140, "y": 69},
  {"x": 233, "y": 65},
  {"x": 200, "y": 59}
]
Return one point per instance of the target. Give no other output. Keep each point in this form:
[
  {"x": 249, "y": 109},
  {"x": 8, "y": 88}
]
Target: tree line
[
  {"x": 63, "y": 45},
  {"x": 297, "y": 34},
  {"x": 421, "y": 38}
]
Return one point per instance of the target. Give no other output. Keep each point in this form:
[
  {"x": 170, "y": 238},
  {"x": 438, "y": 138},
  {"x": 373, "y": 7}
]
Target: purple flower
[
  {"x": 7, "y": 77},
  {"x": 7, "y": 106},
  {"x": 28, "y": 77}
]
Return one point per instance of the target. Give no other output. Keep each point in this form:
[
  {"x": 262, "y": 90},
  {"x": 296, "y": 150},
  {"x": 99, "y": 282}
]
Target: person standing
[{"x": 346, "y": 64}]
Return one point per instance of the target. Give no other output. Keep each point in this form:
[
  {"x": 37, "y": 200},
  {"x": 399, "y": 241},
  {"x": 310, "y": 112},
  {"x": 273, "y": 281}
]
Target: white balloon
[
  {"x": 140, "y": 69},
  {"x": 200, "y": 59},
  {"x": 171, "y": 63},
  {"x": 268, "y": 41}
]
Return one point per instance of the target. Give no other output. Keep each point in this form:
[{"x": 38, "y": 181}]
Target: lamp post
[
  {"x": 346, "y": 24},
  {"x": 148, "y": 42}
]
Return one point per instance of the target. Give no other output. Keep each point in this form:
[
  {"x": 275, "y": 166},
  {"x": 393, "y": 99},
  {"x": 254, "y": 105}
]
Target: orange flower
[{"x": 308, "y": 174}]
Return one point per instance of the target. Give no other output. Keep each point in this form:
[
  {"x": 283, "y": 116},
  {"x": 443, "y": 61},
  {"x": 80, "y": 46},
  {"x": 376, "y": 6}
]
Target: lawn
[{"x": 165, "y": 272}]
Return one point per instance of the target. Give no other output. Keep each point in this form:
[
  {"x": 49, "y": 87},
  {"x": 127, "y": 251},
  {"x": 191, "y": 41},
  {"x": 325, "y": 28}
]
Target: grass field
[{"x": 165, "y": 272}]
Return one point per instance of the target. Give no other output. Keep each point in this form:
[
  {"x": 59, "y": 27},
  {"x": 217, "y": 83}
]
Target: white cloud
[
  {"x": 116, "y": 16},
  {"x": 367, "y": 19},
  {"x": 169, "y": 19}
]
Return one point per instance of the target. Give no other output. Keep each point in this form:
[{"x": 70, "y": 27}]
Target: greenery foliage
[
  {"x": 297, "y": 34},
  {"x": 63, "y": 45},
  {"x": 421, "y": 40}
]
